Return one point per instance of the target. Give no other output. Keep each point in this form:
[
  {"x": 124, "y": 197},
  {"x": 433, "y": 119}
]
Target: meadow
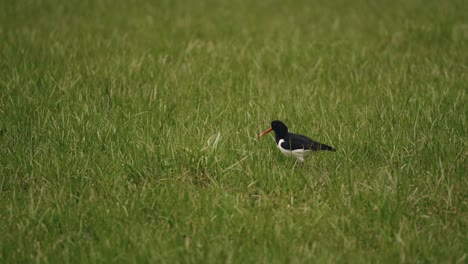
[{"x": 129, "y": 131}]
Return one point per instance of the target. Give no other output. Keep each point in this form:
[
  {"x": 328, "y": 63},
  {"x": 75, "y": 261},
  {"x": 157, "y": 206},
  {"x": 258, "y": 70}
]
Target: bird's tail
[{"x": 326, "y": 147}]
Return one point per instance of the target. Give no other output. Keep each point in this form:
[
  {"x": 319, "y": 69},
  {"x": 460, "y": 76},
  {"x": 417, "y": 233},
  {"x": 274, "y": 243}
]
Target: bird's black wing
[{"x": 295, "y": 141}]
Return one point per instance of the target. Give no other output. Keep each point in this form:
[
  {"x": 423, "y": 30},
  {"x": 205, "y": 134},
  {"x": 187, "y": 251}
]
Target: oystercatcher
[{"x": 295, "y": 145}]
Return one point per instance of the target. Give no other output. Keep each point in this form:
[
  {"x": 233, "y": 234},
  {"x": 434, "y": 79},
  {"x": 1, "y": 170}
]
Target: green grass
[{"x": 128, "y": 131}]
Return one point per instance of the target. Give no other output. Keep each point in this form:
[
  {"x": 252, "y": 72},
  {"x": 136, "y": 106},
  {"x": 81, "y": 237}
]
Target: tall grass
[{"x": 128, "y": 131}]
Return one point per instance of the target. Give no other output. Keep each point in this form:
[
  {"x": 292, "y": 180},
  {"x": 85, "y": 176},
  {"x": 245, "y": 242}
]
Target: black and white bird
[{"x": 294, "y": 145}]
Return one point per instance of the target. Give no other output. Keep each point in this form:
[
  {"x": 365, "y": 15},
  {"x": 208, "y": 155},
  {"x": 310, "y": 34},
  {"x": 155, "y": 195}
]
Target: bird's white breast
[{"x": 297, "y": 153}]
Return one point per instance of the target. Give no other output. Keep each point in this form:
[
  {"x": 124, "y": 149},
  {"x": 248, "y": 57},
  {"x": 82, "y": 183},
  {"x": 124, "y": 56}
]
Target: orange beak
[{"x": 265, "y": 132}]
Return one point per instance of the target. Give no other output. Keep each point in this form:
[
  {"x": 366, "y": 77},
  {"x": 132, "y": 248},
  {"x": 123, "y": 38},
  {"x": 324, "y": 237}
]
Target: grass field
[{"x": 129, "y": 131}]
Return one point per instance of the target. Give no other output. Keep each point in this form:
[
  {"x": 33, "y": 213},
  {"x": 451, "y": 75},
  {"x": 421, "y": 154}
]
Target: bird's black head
[
  {"x": 279, "y": 127},
  {"x": 281, "y": 130}
]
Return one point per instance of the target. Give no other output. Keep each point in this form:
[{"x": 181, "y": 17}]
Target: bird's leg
[{"x": 300, "y": 162}]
